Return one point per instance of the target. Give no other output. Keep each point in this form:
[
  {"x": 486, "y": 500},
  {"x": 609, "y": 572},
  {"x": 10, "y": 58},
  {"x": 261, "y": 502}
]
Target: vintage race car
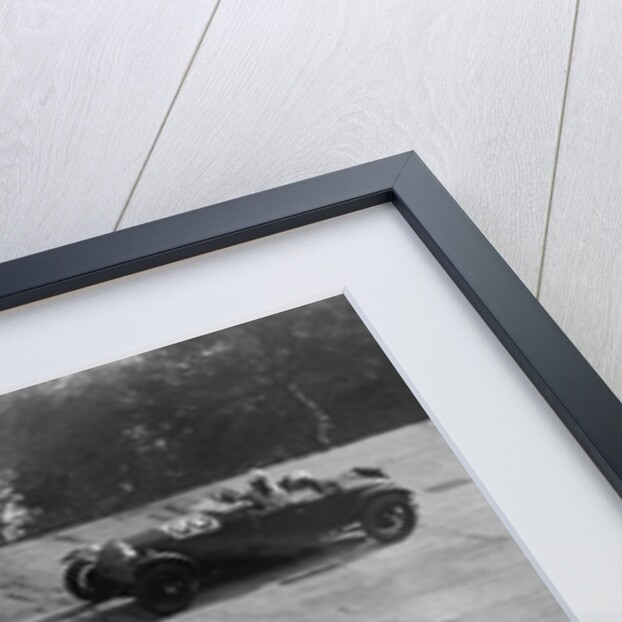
[{"x": 163, "y": 568}]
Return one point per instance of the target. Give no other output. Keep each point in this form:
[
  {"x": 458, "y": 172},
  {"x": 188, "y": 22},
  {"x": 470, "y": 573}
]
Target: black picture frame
[{"x": 572, "y": 388}]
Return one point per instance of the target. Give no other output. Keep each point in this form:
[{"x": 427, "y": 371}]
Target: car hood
[
  {"x": 152, "y": 538},
  {"x": 181, "y": 528}
]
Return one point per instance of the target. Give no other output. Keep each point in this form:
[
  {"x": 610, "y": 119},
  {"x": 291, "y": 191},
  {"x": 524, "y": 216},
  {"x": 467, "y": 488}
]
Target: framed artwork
[{"x": 334, "y": 342}]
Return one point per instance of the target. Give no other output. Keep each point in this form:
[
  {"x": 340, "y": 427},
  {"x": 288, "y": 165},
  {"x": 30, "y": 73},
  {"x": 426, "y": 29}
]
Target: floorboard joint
[
  {"x": 547, "y": 218},
  {"x": 167, "y": 115}
]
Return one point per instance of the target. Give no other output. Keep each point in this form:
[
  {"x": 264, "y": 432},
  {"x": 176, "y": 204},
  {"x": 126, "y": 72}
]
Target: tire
[
  {"x": 84, "y": 582},
  {"x": 167, "y": 584},
  {"x": 389, "y": 518}
]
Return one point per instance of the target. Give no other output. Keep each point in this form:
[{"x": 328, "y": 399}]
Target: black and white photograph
[
  {"x": 278, "y": 470},
  {"x": 310, "y": 310}
]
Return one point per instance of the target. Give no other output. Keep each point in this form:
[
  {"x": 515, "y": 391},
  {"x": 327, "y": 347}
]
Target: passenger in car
[{"x": 300, "y": 481}]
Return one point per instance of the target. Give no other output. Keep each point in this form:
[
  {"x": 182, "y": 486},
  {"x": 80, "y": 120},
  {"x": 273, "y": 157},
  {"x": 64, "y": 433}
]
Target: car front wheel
[
  {"x": 167, "y": 586},
  {"x": 389, "y": 518}
]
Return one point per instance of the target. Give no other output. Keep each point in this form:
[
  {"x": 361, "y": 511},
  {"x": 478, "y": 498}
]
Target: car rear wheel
[
  {"x": 167, "y": 585},
  {"x": 84, "y": 582},
  {"x": 389, "y": 518}
]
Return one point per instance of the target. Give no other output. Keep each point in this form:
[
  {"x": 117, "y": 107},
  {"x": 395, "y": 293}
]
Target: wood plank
[
  {"x": 84, "y": 87},
  {"x": 582, "y": 276},
  {"x": 282, "y": 91}
]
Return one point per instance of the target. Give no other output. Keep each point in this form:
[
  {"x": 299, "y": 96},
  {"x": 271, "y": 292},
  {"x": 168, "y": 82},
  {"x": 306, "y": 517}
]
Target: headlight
[
  {"x": 116, "y": 552},
  {"x": 128, "y": 551}
]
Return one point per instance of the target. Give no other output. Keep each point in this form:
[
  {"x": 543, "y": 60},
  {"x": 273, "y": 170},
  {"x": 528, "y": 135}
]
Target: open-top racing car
[{"x": 163, "y": 568}]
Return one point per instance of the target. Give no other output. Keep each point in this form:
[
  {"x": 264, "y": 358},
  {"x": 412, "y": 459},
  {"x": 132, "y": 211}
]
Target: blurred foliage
[{"x": 120, "y": 435}]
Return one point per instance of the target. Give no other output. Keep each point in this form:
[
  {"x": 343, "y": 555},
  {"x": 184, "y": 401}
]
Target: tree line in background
[{"x": 121, "y": 435}]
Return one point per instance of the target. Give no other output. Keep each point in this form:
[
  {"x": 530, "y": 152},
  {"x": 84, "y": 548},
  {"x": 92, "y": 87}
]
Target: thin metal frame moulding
[{"x": 581, "y": 399}]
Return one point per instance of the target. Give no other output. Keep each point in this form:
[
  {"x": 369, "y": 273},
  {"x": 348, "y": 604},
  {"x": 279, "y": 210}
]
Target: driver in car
[{"x": 264, "y": 492}]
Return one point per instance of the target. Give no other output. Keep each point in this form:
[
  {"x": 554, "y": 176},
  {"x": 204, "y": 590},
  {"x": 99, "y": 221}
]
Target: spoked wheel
[
  {"x": 84, "y": 582},
  {"x": 389, "y": 518},
  {"x": 167, "y": 586}
]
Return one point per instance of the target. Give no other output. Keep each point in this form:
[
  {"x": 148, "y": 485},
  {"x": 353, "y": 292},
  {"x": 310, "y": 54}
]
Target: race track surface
[{"x": 460, "y": 565}]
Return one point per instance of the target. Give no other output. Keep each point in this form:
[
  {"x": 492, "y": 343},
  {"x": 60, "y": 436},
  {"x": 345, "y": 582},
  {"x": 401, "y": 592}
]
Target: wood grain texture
[
  {"x": 283, "y": 91},
  {"x": 84, "y": 87},
  {"x": 582, "y": 275}
]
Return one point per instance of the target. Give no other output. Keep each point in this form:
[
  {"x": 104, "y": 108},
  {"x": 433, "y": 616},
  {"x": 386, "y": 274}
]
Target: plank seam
[
  {"x": 547, "y": 217},
  {"x": 166, "y": 116}
]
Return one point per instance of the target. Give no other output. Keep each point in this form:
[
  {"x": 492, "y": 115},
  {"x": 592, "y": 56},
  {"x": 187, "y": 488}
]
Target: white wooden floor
[{"x": 116, "y": 113}]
